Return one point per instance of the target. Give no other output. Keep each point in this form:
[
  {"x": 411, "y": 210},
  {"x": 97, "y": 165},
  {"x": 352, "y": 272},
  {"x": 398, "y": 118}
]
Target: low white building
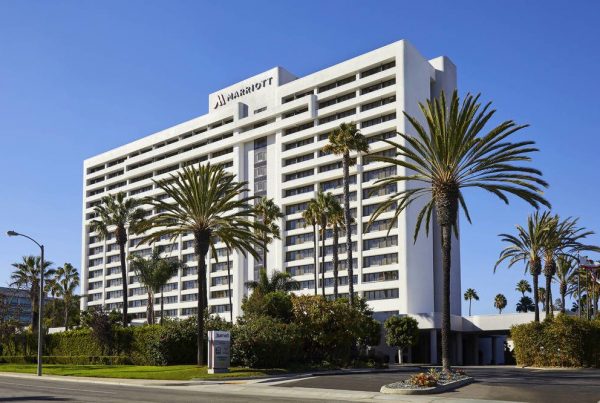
[{"x": 269, "y": 130}]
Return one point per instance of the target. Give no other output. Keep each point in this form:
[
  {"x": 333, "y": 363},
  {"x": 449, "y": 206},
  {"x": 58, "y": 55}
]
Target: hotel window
[
  {"x": 219, "y": 294},
  {"x": 117, "y": 185},
  {"x": 380, "y": 191},
  {"x": 96, "y": 250},
  {"x": 188, "y": 311},
  {"x": 378, "y": 103},
  {"x": 95, "y": 180},
  {"x": 95, "y": 169},
  {"x": 378, "y": 86},
  {"x": 220, "y": 266},
  {"x": 380, "y": 260},
  {"x": 337, "y": 116},
  {"x": 381, "y": 294},
  {"x": 95, "y": 192},
  {"x": 342, "y": 265},
  {"x": 301, "y": 270},
  {"x": 380, "y": 173},
  {"x": 134, "y": 279},
  {"x": 140, "y": 178},
  {"x": 299, "y": 254},
  {"x": 94, "y": 297},
  {"x": 383, "y": 242},
  {"x": 294, "y": 224},
  {"x": 299, "y": 239},
  {"x": 189, "y": 297},
  {"x": 259, "y": 110},
  {"x": 341, "y": 232},
  {"x": 298, "y": 128},
  {"x": 336, "y": 100},
  {"x": 190, "y": 271},
  {"x": 95, "y": 285},
  {"x": 383, "y": 225},
  {"x": 297, "y": 96},
  {"x": 137, "y": 291},
  {"x": 189, "y": 284},
  {"x": 378, "y": 120},
  {"x": 300, "y": 143},
  {"x": 223, "y": 280},
  {"x": 298, "y": 175},
  {"x": 296, "y": 208},
  {"x": 171, "y": 299},
  {"x": 222, "y": 152},
  {"x": 295, "y": 112},
  {"x": 337, "y": 83},
  {"x": 381, "y": 136},
  {"x": 114, "y": 305},
  {"x": 298, "y": 159},
  {"x": 95, "y": 273},
  {"x": 336, "y": 183},
  {"x": 114, "y": 294},
  {"x": 140, "y": 190},
  {"x": 219, "y": 308},
  {"x": 342, "y": 280},
  {"x": 169, "y": 313},
  {"x": 299, "y": 190},
  {"x": 188, "y": 244},
  {"x": 307, "y": 284},
  {"x": 137, "y": 303},
  {"x": 369, "y": 158},
  {"x": 116, "y": 162},
  {"x": 377, "y": 69},
  {"x": 114, "y": 282},
  {"x": 260, "y": 161},
  {"x": 170, "y": 287},
  {"x": 167, "y": 169},
  {"x": 95, "y": 262},
  {"x": 370, "y": 209},
  {"x": 341, "y": 248}
]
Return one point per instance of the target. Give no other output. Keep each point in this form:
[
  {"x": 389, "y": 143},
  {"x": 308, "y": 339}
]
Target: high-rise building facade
[{"x": 269, "y": 130}]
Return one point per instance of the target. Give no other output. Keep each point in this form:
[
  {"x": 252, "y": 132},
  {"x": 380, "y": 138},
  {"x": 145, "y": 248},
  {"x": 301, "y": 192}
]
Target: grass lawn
[{"x": 173, "y": 372}]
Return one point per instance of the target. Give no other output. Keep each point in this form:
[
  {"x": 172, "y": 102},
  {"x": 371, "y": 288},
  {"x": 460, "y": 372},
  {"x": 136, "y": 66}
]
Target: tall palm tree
[
  {"x": 565, "y": 272},
  {"x": 471, "y": 295},
  {"x": 268, "y": 213},
  {"x": 210, "y": 204},
  {"x": 523, "y": 287},
  {"x": 63, "y": 285},
  {"x": 500, "y": 302},
  {"x": 344, "y": 140},
  {"x": 311, "y": 217},
  {"x": 154, "y": 273},
  {"x": 119, "y": 216},
  {"x": 542, "y": 297},
  {"x": 525, "y": 304},
  {"x": 27, "y": 275},
  {"x": 279, "y": 281},
  {"x": 321, "y": 206},
  {"x": 527, "y": 246},
  {"x": 336, "y": 220},
  {"x": 451, "y": 154}
]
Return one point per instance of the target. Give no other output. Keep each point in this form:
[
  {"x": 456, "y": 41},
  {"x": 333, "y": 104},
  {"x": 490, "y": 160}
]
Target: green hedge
[
  {"x": 68, "y": 359},
  {"x": 560, "y": 342}
]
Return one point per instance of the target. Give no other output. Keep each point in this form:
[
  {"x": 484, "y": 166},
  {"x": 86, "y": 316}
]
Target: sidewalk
[{"x": 247, "y": 388}]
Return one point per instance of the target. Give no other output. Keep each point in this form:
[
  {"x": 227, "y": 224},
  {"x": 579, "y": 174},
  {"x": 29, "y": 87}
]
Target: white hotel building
[{"x": 269, "y": 130}]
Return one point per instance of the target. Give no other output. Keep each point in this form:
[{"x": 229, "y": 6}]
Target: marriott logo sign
[{"x": 223, "y": 99}]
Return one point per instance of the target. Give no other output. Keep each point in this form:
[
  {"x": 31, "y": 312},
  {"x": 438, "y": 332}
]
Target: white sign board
[{"x": 218, "y": 351}]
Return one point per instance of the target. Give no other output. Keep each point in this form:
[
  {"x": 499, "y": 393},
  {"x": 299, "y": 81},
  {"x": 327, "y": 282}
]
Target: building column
[{"x": 433, "y": 351}]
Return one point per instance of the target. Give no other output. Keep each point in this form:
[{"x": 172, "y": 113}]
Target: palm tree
[
  {"x": 525, "y": 304},
  {"x": 565, "y": 273},
  {"x": 209, "y": 204},
  {"x": 344, "y": 140},
  {"x": 268, "y": 213},
  {"x": 542, "y": 297},
  {"x": 470, "y": 295},
  {"x": 119, "y": 216},
  {"x": 154, "y": 273},
  {"x": 27, "y": 275},
  {"x": 523, "y": 287},
  {"x": 500, "y": 302},
  {"x": 321, "y": 206},
  {"x": 279, "y": 281},
  {"x": 311, "y": 217},
  {"x": 527, "y": 246},
  {"x": 336, "y": 220},
  {"x": 63, "y": 285},
  {"x": 451, "y": 154}
]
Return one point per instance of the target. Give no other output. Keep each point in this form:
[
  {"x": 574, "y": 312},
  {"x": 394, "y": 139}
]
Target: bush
[
  {"x": 68, "y": 360},
  {"x": 560, "y": 342}
]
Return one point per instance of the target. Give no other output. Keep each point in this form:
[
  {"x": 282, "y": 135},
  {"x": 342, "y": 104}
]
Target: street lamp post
[{"x": 40, "y": 302}]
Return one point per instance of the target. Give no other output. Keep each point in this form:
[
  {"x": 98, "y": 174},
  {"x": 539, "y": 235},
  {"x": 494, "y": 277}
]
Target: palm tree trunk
[
  {"x": 469, "y": 306},
  {"x": 446, "y": 265},
  {"x": 323, "y": 261},
  {"x": 264, "y": 257},
  {"x": 536, "y": 298},
  {"x": 67, "y": 304},
  {"x": 563, "y": 292},
  {"x": 347, "y": 221},
  {"x": 316, "y": 258},
  {"x": 548, "y": 296},
  {"x": 162, "y": 303},
  {"x": 124, "y": 279},
  {"x": 335, "y": 261},
  {"x": 202, "y": 240},
  {"x": 229, "y": 286}
]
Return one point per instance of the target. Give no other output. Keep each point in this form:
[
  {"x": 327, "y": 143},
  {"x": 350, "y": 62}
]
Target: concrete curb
[{"x": 427, "y": 391}]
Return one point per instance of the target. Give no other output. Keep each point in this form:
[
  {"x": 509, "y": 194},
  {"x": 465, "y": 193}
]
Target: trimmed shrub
[
  {"x": 68, "y": 360},
  {"x": 560, "y": 342}
]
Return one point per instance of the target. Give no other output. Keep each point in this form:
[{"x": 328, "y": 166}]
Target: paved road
[
  {"x": 40, "y": 390},
  {"x": 501, "y": 383}
]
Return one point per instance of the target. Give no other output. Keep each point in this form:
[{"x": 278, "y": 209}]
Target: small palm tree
[
  {"x": 500, "y": 302},
  {"x": 27, "y": 275},
  {"x": 542, "y": 297},
  {"x": 336, "y": 220},
  {"x": 63, "y": 285},
  {"x": 268, "y": 213},
  {"x": 565, "y": 272},
  {"x": 527, "y": 246},
  {"x": 321, "y": 206},
  {"x": 311, "y": 217},
  {"x": 119, "y": 216},
  {"x": 523, "y": 287},
  {"x": 344, "y": 140},
  {"x": 279, "y": 281},
  {"x": 208, "y": 203},
  {"x": 525, "y": 304},
  {"x": 470, "y": 295},
  {"x": 154, "y": 273},
  {"x": 447, "y": 156}
]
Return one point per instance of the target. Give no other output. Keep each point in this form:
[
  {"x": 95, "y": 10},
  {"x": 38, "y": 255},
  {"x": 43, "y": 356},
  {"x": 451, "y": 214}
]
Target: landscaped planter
[{"x": 405, "y": 388}]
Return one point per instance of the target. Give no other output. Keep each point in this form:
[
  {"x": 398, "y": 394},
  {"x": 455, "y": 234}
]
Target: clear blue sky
[{"x": 81, "y": 77}]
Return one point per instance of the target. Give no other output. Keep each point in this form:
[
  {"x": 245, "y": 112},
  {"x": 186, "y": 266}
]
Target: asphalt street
[{"x": 501, "y": 383}]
